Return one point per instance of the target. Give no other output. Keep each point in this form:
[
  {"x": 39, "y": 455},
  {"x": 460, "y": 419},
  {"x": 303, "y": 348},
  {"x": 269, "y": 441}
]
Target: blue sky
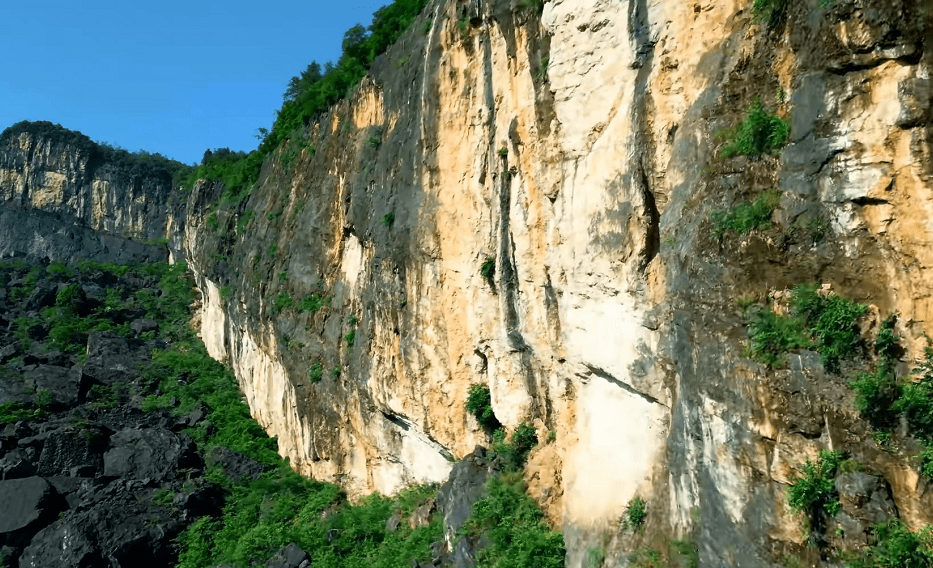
[{"x": 174, "y": 78}]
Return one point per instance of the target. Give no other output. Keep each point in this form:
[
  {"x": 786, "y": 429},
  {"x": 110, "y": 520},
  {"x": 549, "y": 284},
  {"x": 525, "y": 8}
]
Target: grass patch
[
  {"x": 760, "y": 133},
  {"x": 745, "y": 217},
  {"x": 636, "y": 512}
]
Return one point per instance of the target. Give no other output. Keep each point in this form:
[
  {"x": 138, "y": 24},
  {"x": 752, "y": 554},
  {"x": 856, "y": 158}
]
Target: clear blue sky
[{"x": 166, "y": 77}]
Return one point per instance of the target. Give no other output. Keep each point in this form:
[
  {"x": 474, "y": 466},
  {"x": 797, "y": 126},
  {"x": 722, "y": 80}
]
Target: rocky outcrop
[{"x": 581, "y": 153}]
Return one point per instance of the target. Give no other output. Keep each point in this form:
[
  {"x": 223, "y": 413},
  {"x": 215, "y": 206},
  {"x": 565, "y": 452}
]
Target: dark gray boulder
[
  {"x": 111, "y": 359},
  {"x": 153, "y": 454},
  {"x": 235, "y": 465},
  {"x": 291, "y": 556},
  {"x": 63, "y": 384},
  {"x": 23, "y": 502},
  {"x": 72, "y": 453},
  {"x": 455, "y": 501}
]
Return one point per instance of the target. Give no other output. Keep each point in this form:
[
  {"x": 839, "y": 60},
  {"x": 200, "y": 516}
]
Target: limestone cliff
[{"x": 580, "y": 149}]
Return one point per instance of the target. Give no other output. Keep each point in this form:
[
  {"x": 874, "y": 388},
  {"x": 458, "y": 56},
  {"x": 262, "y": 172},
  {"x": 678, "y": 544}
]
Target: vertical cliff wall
[{"x": 580, "y": 149}]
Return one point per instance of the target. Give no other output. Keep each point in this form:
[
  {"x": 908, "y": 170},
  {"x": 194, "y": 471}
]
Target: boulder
[
  {"x": 290, "y": 556},
  {"x": 143, "y": 325},
  {"x": 18, "y": 463},
  {"x": 153, "y": 454},
  {"x": 111, "y": 359},
  {"x": 42, "y": 296},
  {"x": 235, "y": 465},
  {"x": 24, "y": 502},
  {"x": 72, "y": 453},
  {"x": 63, "y": 384},
  {"x": 64, "y": 545}
]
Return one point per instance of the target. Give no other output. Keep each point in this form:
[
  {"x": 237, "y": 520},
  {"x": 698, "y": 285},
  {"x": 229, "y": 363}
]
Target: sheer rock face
[
  {"x": 581, "y": 151},
  {"x": 53, "y": 190}
]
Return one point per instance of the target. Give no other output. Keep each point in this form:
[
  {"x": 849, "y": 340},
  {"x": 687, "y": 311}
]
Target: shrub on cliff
[
  {"x": 479, "y": 404},
  {"x": 760, "y": 133}
]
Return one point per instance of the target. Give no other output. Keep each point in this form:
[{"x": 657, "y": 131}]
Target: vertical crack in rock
[{"x": 643, "y": 49}]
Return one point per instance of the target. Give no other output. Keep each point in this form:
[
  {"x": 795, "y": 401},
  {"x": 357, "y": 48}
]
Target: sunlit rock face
[{"x": 580, "y": 149}]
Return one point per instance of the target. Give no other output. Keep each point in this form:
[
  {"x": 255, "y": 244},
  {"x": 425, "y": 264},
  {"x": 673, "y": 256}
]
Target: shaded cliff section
[{"x": 63, "y": 196}]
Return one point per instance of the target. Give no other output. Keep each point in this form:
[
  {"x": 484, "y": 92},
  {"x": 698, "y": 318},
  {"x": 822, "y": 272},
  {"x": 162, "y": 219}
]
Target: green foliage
[
  {"x": 814, "y": 491},
  {"x": 116, "y": 161},
  {"x": 893, "y": 545},
  {"x": 646, "y": 558},
  {"x": 515, "y": 528},
  {"x": 375, "y": 139},
  {"x": 350, "y": 337},
  {"x": 636, "y": 512},
  {"x": 212, "y": 222},
  {"x": 12, "y": 412},
  {"x": 772, "y": 335},
  {"x": 503, "y": 151},
  {"x": 273, "y": 249},
  {"x": 315, "y": 372},
  {"x": 226, "y": 291},
  {"x": 515, "y": 450},
  {"x": 43, "y": 399},
  {"x": 488, "y": 269},
  {"x": 163, "y": 497},
  {"x": 314, "y": 92},
  {"x": 832, "y": 321},
  {"x": 768, "y": 11},
  {"x": 761, "y": 132},
  {"x": 60, "y": 269},
  {"x": 244, "y": 220},
  {"x": 745, "y": 217},
  {"x": 388, "y": 219},
  {"x": 281, "y": 507},
  {"x": 282, "y": 302},
  {"x": 313, "y": 303},
  {"x": 595, "y": 557},
  {"x": 479, "y": 404},
  {"x": 876, "y": 394},
  {"x": 826, "y": 324},
  {"x": 283, "y": 276}
]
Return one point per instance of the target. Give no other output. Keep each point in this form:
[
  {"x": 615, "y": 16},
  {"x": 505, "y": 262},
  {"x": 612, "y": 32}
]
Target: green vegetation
[
  {"x": 313, "y": 303},
  {"x": 282, "y": 302},
  {"x": 315, "y": 372},
  {"x": 226, "y": 291},
  {"x": 350, "y": 337},
  {"x": 813, "y": 493},
  {"x": 503, "y": 151},
  {"x": 884, "y": 400},
  {"x": 479, "y": 404},
  {"x": 516, "y": 530},
  {"x": 595, "y": 557},
  {"x": 768, "y": 11},
  {"x": 388, "y": 219},
  {"x": 895, "y": 546},
  {"x": 745, "y": 217},
  {"x": 761, "y": 132},
  {"x": 488, "y": 270},
  {"x": 826, "y": 324},
  {"x": 636, "y": 512},
  {"x": 515, "y": 450},
  {"x": 122, "y": 163},
  {"x": 12, "y": 412}
]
